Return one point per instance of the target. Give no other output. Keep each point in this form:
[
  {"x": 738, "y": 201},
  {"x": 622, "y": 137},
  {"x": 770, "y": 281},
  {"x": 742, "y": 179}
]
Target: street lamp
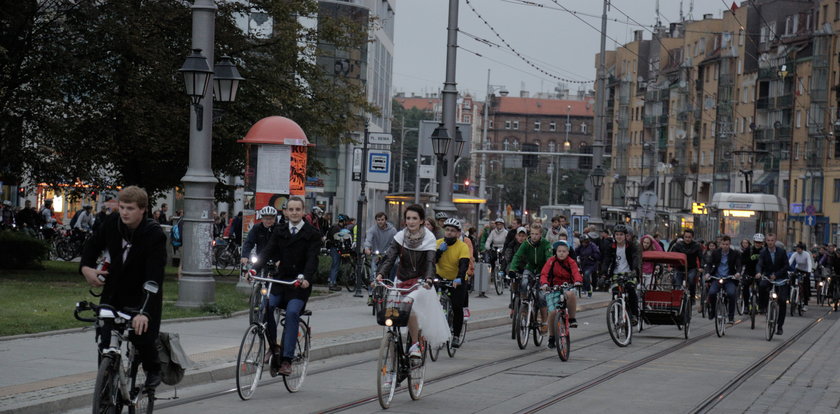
[
  {"x": 597, "y": 178},
  {"x": 225, "y": 80},
  {"x": 196, "y": 79},
  {"x": 459, "y": 143},
  {"x": 440, "y": 141}
]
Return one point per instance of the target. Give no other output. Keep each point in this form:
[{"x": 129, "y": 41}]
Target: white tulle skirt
[{"x": 430, "y": 316}]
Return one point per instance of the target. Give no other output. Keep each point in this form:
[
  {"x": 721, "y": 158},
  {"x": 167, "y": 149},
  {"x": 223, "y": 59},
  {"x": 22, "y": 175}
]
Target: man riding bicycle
[
  {"x": 688, "y": 274},
  {"x": 260, "y": 234},
  {"x": 802, "y": 262},
  {"x": 294, "y": 247},
  {"x": 749, "y": 261},
  {"x": 624, "y": 258},
  {"x": 725, "y": 262},
  {"x": 532, "y": 256},
  {"x": 773, "y": 263},
  {"x": 137, "y": 248},
  {"x": 377, "y": 239},
  {"x": 452, "y": 261}
]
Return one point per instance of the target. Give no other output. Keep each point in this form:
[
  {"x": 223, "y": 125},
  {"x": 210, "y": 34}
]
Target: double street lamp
[
  {"x": 197, "y": 75},
  {"x": 441, "y": 142}
]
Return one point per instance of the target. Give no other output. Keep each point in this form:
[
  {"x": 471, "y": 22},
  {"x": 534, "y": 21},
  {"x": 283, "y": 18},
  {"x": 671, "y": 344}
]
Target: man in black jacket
[
  {"x": 625, "y": 258},
  {"x": 688, "y": 273},
  {"x": 725, "y": 262},
  {"x": 772, "y": 263},
  {"x": 137, "y": 249},
  {"x": 260, "y": 234},
  {"x": 294, "y": 247}
]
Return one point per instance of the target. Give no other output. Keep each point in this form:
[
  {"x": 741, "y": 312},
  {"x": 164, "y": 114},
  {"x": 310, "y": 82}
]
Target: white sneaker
[
  {"x": 805, "y": 308},
  {"x": 466, "y": 314},
  {"x": 414, "y": 351}
]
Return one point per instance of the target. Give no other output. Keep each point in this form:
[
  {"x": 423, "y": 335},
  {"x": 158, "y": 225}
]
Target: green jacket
[{"x": 530, "y": 257}]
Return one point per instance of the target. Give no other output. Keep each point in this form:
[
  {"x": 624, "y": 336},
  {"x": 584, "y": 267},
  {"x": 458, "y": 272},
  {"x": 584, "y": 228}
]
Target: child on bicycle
[{"x": 558, "y": 270}]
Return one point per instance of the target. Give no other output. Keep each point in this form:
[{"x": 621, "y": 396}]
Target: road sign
[
  {"x": 357, "y": 164},
  {"x": 379, "y": 166},
  {"x": 810, "y": 210},
  {"x": 810, "y": 221},
  {"x": 648, "y": 199},
  {"x": 427, "y": 171},
  {"x": 380, "y": 138}
]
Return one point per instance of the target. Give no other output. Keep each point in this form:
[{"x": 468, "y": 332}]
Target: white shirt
[
  {"x": 802, "y": 261},
  {"x": 622, "y": 266},
  {"x": 297, "y": 227}
]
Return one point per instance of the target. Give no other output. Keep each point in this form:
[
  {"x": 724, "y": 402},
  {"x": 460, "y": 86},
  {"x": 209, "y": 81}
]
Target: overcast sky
[{"x": 554, "y": 40}]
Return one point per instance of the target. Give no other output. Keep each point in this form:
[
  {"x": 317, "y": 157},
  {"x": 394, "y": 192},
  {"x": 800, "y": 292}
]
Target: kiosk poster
[{"x": 297, "y": 176}]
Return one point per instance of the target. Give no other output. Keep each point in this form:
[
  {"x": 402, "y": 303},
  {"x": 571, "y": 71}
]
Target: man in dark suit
[
  {"x": 294, "y": 247},
  {"x": 725, "y": 262},
  {"x": 773, "y": 263}
]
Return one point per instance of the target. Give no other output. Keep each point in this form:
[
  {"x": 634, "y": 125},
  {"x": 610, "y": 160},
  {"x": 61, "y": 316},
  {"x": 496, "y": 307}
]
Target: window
[
  {"x": 798, "y": 118},
  {"x": 796, "y": 151},
  {"x": 836, "y": 190},
  {"x": 837, "y": 146},
  {"x": 507, "y": 124},
  {"x": 515, "y": 124},
  {"x": 506, "y": 145},
  {"x": 491, "y": 124},
  {"x": 467, "y": 119},
  {"x": 551, "y": 146},
  {"x": 740, "y": 66},
  {"x": 537, "y": 125},
  {"x": 552, "y": 126},
  {"x": 583, "y": 128},
  {"x": 837, "y": 10}
]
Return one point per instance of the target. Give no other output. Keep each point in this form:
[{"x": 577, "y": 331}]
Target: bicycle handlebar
[
  {"x": 390, "y": 286},
  {"x": 295, "y": 282}
]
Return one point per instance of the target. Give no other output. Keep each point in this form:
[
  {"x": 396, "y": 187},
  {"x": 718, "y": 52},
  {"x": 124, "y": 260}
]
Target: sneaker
[
  {"x": 779, "y": 331},
  {"x": 589, "y": 294},
  {"x": 805, "y": 308},
  {"x": 414, "y": 351},
  {"x": 551, "y": 344},
  {"x": 573, "y": 323},
  {"x": 455, "y": 343},
  {"x": 466, "y": 314},
  {"x": 543, "y": 328},
  {"x": 358, "y": 294},
  {"x": 634, "y": 320},
  {"x": 153, "y": 379}
]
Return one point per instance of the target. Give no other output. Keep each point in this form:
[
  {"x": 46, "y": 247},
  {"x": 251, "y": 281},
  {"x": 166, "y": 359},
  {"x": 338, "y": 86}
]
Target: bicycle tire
[
  {"x": 561, "y": 334},
  {"x": 254, "y": 304},
  {"x": 772, "y": 314},
  {"x": 106, "y": 393},
  {"x": 618, "y": 324},
  {"x": 434, "y": 353},
  {"x": 686, "y": 314},
  {"x": 793, "y": 300},
  {"x": 350, "y": 277},
  {"x": 720, "y": 317},
  {"x": 753, "y": 311},
  {"x": 250, "y": 361},
  {"x": 740, "y": 305},
  {"x": 300, "y": 359},
  {"x": 514, "y": 325},
  {"x": 523, "y": 326},
  {"x": 416, "y": 374},
  {"x": 498, "y": 281},
  {"x": 537, "y": 328},
  {"x": 386, "y": 368},
  {"x": 226, "y": 264},
  {"x": 145, "y": 403}
]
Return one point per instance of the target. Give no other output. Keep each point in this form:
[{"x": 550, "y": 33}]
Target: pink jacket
[{"x": 647, "y": 267}]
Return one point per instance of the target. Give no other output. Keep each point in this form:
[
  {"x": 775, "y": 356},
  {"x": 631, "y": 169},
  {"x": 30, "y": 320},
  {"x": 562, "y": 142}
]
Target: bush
[{"x": 21, "y": 251}]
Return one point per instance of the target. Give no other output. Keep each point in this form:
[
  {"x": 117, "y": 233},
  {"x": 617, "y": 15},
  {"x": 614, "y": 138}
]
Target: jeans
[
  {"x": 290, "y": 331},
  {"x": 764, "y": 298},
  {"x": 587, "y": 279},
  {"x": 336, "y": 260},
  {"x": 692, "y": 281},
  {"x": 731, "y": 293}
]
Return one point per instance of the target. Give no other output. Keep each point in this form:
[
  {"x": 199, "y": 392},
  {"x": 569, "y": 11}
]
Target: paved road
[{"x": 658, "y": 372}]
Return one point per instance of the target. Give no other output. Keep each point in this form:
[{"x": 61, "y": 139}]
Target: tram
[{"x": 741, "y": 215}]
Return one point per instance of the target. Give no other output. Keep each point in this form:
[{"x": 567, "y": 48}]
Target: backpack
[
  {"x": 39, "y": 220},
  {"x": 173, "y": 360},
  {"x": 75, "y": 219},
  {"x": 176, "y": 235}
]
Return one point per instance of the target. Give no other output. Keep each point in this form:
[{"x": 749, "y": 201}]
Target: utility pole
[
  {"x": 593, "y": 207},
  {"x": 360, "y": 212},
  {"x": 450, "y": 98},
  {"x": 482, "y": 175}
]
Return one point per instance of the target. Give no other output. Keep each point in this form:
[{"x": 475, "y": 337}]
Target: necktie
[{"x": 294, "y": 230}]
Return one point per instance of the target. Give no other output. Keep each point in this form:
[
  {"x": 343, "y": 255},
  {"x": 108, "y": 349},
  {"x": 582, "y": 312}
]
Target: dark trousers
[
  {"x": 731, "y": 289},
  {"x": 144, "y": 344},
  {"x": 290, "y": 330},
  {"x": 764, "y": 297},
  {"x": 458, "y": 299}
]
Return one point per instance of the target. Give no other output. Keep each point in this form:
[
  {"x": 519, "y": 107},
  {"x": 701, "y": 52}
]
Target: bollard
[{"x": 482, "y": 278}]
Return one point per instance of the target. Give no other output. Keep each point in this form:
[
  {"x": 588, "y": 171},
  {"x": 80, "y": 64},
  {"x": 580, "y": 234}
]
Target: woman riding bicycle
[
  {"x": 415, "y": 246},
  {"x": 558, "y": 270}
]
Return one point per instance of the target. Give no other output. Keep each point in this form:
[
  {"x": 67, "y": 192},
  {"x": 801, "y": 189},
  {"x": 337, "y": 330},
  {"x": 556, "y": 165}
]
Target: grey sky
[{"x": 553, "y": 39}]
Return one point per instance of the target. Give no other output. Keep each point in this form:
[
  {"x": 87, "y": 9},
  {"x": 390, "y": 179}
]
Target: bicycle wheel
[
  {"x": 226, "y": 264},
  {"x": 350, "y": 277},
  {"x": 720, "y": 317},
  {"x": 740, "y": 305},
  {"x": 561, "y": 335},
  {"x": 537, "y": 328},
  {"x": 255, "y": 304},
  {"x": 249, "y": 362},
  {"x": 704, "y": 299},
  {"x": 618, "y": 324},
  {"x": 434, "y": 353},
  {"x": 386, "y": 368},
  {"x": 106, "y": 392},
  {"x": 794, "y": 299},
  {"x": 64, "y": 250},
  {"x": 514, "y": 325},
  {"x": 686, "y": 314},
  {"x": 300, "y": 360},
  {"x": 524, "y": 324},
  {"x": 772, "y": 313},
  {"x": 753, "y": 311},
  {"x": 499, "y": 280},
  {"x": 145, "y": 402},
  {"x": 416, "y": 374}
]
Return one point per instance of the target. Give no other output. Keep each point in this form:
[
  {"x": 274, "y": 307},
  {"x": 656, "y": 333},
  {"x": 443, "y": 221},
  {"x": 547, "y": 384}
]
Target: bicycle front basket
[
  {"x": 555, "y": 300},
  {"x": 396, "y": 308}
]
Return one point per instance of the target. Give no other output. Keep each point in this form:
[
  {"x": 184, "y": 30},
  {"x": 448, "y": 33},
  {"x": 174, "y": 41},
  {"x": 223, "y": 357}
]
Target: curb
[{"x": 226, "y": 371}]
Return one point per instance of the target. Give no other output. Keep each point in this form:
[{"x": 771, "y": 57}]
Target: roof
[
  {"x": 419, "y": 102},
  {"x": 538, "y": 106},
  {"x": 275, "y": 130}
]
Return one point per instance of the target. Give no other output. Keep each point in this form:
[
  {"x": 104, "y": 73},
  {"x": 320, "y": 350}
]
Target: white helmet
[
  {"x": 267, "y": 211},
  {"x": 453, "y": 222},
  {"x": 758, "y": 237}
]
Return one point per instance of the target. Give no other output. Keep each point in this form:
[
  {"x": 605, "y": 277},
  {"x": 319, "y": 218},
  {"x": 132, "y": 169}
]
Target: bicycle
[
  {"x": 119, "y": 381},
  {"x": 526, "y": 313},
  {"x": 773, "y": 306},
  {"x": 796, "y": 300},
  {"x": 740, "y": 306},
  {"x": 833, "y": 291},
  {"x": 252, "y": 357},
  {"x": 394, "y": 365},
  {"x": 347, "y": 269},
  {"x": 498, "y": 273},
  {"x": 444, "y": 290},
  {"x": 721, "y": 306},
  {"x": 226, "y": 255},
  {"x": 515, "y": 300},
  {"x": 619, "y": 324},
  {"x": 377, "y": 293},
  {"x": 753, "y": 303},
  {"x": 556, "y": 300},
  {"x": 704, "y": 295}
]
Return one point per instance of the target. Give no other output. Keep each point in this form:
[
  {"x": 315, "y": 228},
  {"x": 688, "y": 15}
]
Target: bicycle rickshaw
[{"x": 661, "y": 302}]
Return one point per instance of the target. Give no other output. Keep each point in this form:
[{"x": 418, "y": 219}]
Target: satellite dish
[{"x": 680, "y": 133}]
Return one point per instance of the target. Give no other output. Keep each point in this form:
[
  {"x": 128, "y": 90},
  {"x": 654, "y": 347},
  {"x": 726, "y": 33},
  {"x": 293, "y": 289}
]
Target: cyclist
[
  {"x": 773, "y": 263},
  {"x": 415, "y": 246},
  {"x": 333, "y": 245},
  {"x": 137, "y": 247},
  {"x": 624, "y": 258},
  {"x": 749, "y": 260},
  {"x": 553, "y": 233},
  {"x": 83, "y": 223},
  {"x": 260, "y": 234},
  {"x": 377, "y": 238},
  {"x": 589, "y": 257},
  {"x": 532, "y": 256},
  {"x": 294, "y": 247},
  {"x": 441, "y": 217},
  {"x": 495, "y": 240},
  {"x": 688, "y": 273},
  {"x": 559, "y": 269},
  {"x": 802, "y": 261},
  {"x": 453, "y": 261},
  {"x": 724, "y": 262}
]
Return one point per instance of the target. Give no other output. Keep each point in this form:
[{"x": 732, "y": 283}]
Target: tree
[
  {"x": 408, "y": 118},
  {"x": 89, "y": 90}
]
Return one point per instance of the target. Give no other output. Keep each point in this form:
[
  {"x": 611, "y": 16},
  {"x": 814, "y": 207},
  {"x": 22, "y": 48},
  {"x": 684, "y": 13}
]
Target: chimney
[
  {"x": 637, "y": 35},
  {"x": 707, "y": 16},
  {"x": 523, "y": 94}
]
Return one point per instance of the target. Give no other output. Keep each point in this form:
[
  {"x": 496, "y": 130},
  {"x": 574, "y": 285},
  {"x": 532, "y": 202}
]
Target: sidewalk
[{"x": 53, "y": 373}]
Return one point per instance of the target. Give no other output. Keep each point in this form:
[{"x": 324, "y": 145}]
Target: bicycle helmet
[
  {"x": 453, "y": 222},
  {"x": 342, "y": 218},
  {"x": 317, "y": 210},
  {"x": 620, "y": 228},
  {"x": 593, "y": 235},
  {"x": 268, "y": 211},
  {"x": 441, "y": 215},
  {"x": 522, "y": 230},
  {"x": 758, "y": 237},
  {"x": 559, "y": 243},
  {"x": 500, "y": 220}
]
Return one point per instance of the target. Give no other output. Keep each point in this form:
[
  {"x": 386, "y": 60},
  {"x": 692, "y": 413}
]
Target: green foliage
[
  {"x": 408, "y": 118},
  {"x": 21, "y": 251},
  {"x": 89, "y": 90}
]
